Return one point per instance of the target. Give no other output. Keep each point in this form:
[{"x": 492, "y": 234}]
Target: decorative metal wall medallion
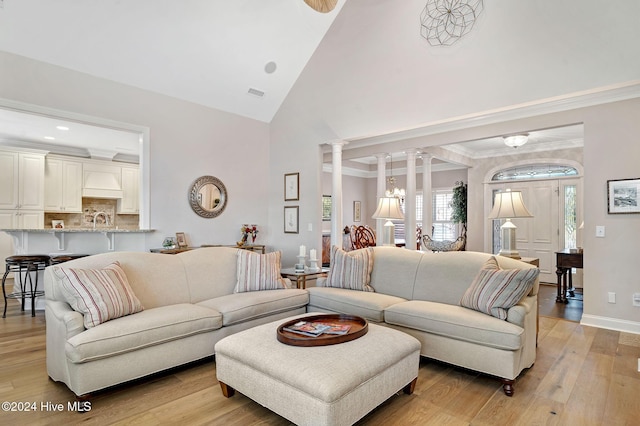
[{"x": 443, "y": 22}]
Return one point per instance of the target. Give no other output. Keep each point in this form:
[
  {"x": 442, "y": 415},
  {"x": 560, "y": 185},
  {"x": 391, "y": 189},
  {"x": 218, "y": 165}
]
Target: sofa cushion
[
  {"x": 258, "y": 271},
  {"x": 241, "y": 307},
  {"x": 495, "y": 290},
  {"x": 350, "y": 270},
  {"x": 367, "y": 305},
  {"x": 456, "y": 322},
  {"x": 147, "y": 328},
  {"x": 99, "y": 295}
]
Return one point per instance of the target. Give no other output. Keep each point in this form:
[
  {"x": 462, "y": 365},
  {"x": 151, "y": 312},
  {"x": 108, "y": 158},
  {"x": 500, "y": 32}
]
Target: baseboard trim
[{"x": 610, "y": 323}]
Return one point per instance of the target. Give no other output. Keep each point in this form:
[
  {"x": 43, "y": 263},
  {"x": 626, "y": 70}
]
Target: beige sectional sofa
[
  {"x": 189, "y": 304},
  {"x": 420, "y": 293}
]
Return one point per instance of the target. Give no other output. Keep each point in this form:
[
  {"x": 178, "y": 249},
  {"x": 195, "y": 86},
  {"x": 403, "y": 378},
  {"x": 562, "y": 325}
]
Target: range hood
[{"x": 101, "y": 181}]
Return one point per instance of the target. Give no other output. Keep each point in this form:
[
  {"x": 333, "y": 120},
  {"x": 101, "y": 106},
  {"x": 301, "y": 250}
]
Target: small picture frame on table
[
  {"x": 292, "y": 186},
  {"x": 181, "y": 239},
  {"x": 291, "y": 220},
  {"x": 623, "y": 196},
  {"x": 57, "y": 224}
]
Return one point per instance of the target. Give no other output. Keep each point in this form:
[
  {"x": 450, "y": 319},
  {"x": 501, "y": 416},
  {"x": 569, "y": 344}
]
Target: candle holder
[
  {"x": 313, "y": 265},
  {"x": 299, "y": 267}
]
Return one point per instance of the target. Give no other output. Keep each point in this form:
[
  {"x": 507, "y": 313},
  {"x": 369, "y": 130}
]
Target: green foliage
[{"x": 459, "y": 205}]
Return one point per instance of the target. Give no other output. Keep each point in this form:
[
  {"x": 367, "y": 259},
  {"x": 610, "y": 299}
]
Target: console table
[
  {"x": 565, "y": 260},
  {"x": 260, "y": 248}
]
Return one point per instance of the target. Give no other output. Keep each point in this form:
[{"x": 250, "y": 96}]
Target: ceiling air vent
[{"x": 256, "y": 92}]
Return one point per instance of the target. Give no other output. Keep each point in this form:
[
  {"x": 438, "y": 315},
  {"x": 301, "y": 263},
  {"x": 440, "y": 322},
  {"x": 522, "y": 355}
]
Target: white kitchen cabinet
[
  {"x": 63, "y": 185},
  {"x": 30, "y": 181},
  {"x": 8, "y": 180},
  {"x": 22, "y": 189},
  {"x": 21, "y": 219},
  {"x": 129, "y": 203}
]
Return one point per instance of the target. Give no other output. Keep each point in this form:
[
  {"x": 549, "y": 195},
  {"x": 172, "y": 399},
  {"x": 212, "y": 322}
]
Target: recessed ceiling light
[
  {"x": 270, "y": 67},
  {"x": 62, "y": 128},
  {"x": 50, "y": 138}
]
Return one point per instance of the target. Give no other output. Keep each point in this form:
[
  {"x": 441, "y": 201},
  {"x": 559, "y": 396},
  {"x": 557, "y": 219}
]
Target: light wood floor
[{"x": 582, "y": 376}]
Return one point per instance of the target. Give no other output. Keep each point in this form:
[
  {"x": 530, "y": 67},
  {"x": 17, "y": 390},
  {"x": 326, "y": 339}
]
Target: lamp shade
[
  {"x": 507, "y": 205},
  {"x": 388, "y": 208}
]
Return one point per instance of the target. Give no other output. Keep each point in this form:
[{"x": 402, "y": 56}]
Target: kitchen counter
[
  {"x": 80, "y": 240},
  {"x": 67, "y": 230}
]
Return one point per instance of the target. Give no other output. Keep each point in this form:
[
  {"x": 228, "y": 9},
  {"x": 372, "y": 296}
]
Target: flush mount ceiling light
[
  {"x": 443, "y": 22},
  {"x": 515, "y": 141}
]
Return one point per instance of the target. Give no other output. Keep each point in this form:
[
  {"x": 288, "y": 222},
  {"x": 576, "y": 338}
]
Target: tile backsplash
[{"x": 91, "y": 206}]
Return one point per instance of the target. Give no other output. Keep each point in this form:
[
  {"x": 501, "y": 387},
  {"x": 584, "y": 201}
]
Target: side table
[
  {"x": 301, "y": 277},
  {"x": 565, "y": 260}
]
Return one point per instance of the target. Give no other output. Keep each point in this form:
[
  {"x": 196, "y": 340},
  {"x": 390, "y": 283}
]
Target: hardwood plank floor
[{"x": 582, "y": 376}]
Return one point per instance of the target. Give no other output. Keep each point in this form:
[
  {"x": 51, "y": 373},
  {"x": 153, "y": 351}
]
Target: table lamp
[
  {"x": 389, "y": 209},
  {"x": 508, "y": 205}
]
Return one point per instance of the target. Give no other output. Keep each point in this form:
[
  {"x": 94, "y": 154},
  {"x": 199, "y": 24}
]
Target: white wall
[
  {"x": 186, "y": 141},
  {"x": 367, "y": 78}
]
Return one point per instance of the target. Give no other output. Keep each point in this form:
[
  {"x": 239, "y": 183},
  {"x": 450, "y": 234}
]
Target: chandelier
[{"x": 393, "y": 190}]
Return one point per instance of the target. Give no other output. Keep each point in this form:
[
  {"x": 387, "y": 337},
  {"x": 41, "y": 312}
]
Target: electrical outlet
[
  {"x": 636, "y": 299},
  {"x": 600, "y": 231},
  {"x": 612, "y": 297},
  {"x": 310, "y": 227}
]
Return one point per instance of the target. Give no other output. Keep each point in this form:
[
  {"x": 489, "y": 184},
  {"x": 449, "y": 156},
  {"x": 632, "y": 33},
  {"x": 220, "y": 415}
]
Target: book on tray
[{"x": 315, "y": 329}]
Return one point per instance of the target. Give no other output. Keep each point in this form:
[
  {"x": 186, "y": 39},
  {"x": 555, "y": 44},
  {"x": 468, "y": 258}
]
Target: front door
[{"x": 538, "y": 236}]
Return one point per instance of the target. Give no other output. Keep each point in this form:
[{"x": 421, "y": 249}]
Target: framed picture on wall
[
  {"x": 292, "y": 186},
  {"x": 291, "y": 220},
  {"x": 357, "y": 214},
  {"x": 326, "y": 207},
  {"x": 623, "y": 196}
]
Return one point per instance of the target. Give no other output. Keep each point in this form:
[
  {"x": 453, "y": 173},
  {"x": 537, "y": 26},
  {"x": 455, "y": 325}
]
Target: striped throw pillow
[
  {"x": 495, "y": 290},
  {"x": 99, "y": 294},
  {"x": 258, "y": 272},
  {"x": 351, "y": 270}
]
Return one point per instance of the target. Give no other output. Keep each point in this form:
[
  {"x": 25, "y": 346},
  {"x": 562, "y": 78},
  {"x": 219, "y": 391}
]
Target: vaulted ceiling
[
  {"x": 245, "y": 56},
  {"x": 240, "y": 56}
]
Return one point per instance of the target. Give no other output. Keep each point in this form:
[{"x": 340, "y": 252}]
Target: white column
[
  {"x": 336, "y": 192},
  {"x": 410, "y": 202},
  {"x": 427, "y": 198},
  {"x": 382, "y": 186}
]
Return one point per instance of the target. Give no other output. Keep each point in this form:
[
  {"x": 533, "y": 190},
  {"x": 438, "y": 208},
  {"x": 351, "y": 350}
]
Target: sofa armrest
[
  {"x": 516, "y": 314},
  {"x": 70, "y": 320}
]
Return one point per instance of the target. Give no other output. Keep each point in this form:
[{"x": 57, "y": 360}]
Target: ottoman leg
[
  {"x": 227, "y": 390},
  {"x": 410, "y": 387}
]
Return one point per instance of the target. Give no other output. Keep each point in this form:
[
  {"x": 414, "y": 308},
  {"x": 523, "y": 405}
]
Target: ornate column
[
  {"x": 427, "y": 197},
  {"x": 410, "y": 202},
  {"x": 336, "y": 192},
  {"x": 381, "y": 188}
]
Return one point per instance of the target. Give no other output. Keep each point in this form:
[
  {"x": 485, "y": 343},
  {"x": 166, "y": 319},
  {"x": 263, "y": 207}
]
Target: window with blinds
[{"x": 443, "y": 227}]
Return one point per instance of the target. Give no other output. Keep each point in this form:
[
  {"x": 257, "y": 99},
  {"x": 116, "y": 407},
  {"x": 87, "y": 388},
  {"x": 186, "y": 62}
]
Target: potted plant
[{"x": 459, "y": 209}]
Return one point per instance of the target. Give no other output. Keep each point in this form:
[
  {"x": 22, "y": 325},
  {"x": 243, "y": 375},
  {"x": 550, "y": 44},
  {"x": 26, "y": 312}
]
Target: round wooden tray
[{"x": 359, "y": 327}]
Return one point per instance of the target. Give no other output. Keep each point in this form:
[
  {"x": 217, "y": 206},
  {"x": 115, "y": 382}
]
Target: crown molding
[{"x": 582, "y": 99}]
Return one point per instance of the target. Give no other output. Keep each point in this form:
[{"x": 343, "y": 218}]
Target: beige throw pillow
[
  {"x": 495, "y": 290},
  {"x": 258, "y": 271},
  {"x": 350, "y": 269},
  {"x": 98, "y": 294}
]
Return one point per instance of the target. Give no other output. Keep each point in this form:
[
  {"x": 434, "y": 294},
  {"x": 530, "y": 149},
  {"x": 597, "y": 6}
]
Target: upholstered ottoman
[{"x": 321, "y": 385}]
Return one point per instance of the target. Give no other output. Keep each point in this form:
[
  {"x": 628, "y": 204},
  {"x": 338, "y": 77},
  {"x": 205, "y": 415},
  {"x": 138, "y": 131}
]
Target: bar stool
[
  {"x": 27, "y": 265},
  {"x": 61, "y": 258}
]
